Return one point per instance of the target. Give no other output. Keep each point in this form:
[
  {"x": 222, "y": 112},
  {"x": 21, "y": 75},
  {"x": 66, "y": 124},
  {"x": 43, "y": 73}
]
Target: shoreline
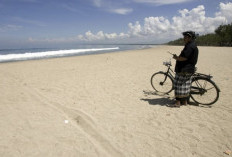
[
  {"x": 12, "y": 55},
  {"x": 102, "y": 53}
]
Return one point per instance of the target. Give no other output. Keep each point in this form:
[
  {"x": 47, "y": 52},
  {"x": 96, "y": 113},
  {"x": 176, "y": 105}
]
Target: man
[{"x": 185, "y": 67}]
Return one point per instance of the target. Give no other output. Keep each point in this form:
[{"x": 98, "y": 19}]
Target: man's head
[{"x": 189, "y": 36}]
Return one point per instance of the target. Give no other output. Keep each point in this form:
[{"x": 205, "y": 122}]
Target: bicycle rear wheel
[
  {"x": 161, "y": 82},
  {"x": 204, "y": 91}
]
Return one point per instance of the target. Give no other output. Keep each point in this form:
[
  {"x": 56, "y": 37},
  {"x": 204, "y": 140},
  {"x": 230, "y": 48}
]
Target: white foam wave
[{"x": 50, "y": 54}]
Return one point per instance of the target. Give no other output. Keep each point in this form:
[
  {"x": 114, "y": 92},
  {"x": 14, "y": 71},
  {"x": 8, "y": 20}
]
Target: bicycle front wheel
[
  {"x": 204, "y": 91},
  {"x": 161, "y": 82}
]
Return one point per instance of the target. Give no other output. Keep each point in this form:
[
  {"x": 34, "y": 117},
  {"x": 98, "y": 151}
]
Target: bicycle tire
[
  {"x": 204, "y": 91},
  {"x": 162, "y": 82}
]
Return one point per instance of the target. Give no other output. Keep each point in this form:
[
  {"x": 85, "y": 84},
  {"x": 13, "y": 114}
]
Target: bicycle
[{"x": 203, "y": 89}]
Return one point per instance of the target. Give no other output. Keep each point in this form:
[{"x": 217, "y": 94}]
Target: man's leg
[{"x": 177, "y": 104}]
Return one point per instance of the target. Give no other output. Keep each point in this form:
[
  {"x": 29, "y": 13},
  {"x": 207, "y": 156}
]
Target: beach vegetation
[{"x": 222, "y": 36}]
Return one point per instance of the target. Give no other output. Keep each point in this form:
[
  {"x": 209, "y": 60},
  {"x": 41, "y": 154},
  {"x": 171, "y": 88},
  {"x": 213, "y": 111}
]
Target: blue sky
[{"x": 44, "y": 23}]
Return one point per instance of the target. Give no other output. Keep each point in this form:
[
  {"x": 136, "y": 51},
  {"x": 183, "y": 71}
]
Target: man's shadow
[
  {"x": 160, "y": 101},
  {"x": 165, "y": 99}
]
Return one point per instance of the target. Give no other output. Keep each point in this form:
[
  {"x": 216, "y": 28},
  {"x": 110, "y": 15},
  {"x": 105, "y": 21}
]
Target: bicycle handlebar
[{"x": 170, "y": 53}]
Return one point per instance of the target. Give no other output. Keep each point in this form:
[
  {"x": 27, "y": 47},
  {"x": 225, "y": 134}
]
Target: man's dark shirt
[{"x": 190, "y": 52}]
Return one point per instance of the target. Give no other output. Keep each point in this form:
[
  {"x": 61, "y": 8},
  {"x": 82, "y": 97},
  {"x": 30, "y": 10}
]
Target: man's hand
[
  {"x": 179, "y": 58},
  {"x": 175, "y": 56}
]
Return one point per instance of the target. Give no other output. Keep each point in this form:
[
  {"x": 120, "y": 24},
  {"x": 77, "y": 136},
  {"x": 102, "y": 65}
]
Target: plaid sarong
[{"x": 182, "y": 85}]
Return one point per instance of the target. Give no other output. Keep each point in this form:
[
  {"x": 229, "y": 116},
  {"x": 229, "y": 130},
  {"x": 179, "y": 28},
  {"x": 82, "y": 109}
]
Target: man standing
[{"x": 185, "y": 67}]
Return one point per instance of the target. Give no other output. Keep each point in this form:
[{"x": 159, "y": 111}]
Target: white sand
[{"x": 103, "y": 106}]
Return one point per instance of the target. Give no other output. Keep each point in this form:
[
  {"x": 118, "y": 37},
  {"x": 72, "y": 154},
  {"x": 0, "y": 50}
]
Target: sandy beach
[{"x": 103, "y": 106}]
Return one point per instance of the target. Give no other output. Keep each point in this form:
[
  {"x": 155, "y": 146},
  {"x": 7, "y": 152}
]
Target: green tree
[
  {"x": 221, "y": 37},
  {"x": 225, "y": 34}
]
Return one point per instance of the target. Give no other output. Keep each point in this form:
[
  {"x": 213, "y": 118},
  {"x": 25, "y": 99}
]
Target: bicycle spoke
[
  {"x": 162, "y": 83},
  {"x": 205, "y": 83},
  {"x": 209, "y": 88},
  {"x": 203, "y": 91}
]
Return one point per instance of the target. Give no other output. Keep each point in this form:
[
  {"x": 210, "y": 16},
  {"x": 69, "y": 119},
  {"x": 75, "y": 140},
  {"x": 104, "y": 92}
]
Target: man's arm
[{"x": 179, "y": 58}]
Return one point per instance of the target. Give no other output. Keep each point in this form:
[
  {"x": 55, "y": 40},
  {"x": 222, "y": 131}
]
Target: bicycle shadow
[
  {"x": 160, "y": 101},
  {"x": 147, "y": 93},
  {"x": 165, "y": 100}
]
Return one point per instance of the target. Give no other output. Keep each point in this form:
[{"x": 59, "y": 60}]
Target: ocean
[{"x": 11, "y": 55}]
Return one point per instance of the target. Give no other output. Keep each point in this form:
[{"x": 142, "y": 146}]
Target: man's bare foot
[
  {"x": 184, "y": 102},
  {"x": 177, "y": 104}
]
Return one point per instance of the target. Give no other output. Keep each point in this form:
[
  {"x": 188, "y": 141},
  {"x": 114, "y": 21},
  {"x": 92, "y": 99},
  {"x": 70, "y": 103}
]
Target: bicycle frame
[
  {"x": 201, "y": 85},
  {"x": 201, "y": 90},
  {"x": 169, "y": 72},
  {"x": 198, "y": 90},
  {"x": 200, "y": 75}
]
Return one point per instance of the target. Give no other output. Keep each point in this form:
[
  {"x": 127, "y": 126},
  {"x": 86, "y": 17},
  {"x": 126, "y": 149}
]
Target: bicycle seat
[{"x": 167, "y": 63}]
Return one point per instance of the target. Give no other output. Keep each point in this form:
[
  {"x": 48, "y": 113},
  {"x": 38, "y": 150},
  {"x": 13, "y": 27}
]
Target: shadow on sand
[
  {"x": 165, "y": 100},
  {"x": 160, "y": 101}
]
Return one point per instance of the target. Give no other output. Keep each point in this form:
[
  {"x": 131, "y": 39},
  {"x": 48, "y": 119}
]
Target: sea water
[{"x": 9, "y": 55}]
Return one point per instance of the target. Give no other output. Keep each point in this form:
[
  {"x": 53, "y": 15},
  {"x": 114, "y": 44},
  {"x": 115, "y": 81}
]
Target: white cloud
[
  {"x": 70, "y": 8},
  {"x": 225, "y": 11},
  {"x": 190, "y": 20},
  {"x": 112, "y": 6},
  {"x": 195, "y": 19},
  {"x": 103, "y": 3},
  {"x": 97, "y": 3},
  {"x": 118, "y": 8},
  {"x": 30, "y": 1},
  {"x": 161, "y": 29},
  {"x": 122, "y": 11},
  {"x": 100, "y": 36},
  {"x": 90, "y": 36},
  {"x": 161, "y": 2},
  {"x": 155, "y": 25},
  {"x": 135, "y": 30},
  {"x": 6, "y": 28},
  {"x": 29, "y": 21}
]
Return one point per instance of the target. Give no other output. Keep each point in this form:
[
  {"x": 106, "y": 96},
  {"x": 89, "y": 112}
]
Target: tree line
[{"x": 222, "y": 36}]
